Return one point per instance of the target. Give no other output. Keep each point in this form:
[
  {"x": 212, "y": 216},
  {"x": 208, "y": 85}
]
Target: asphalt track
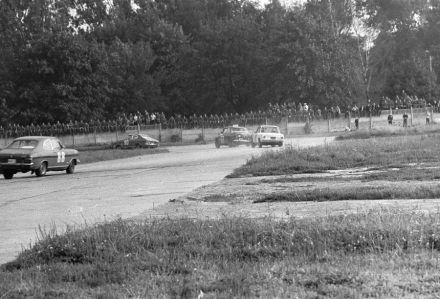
[{"x": 107, "y": 190}]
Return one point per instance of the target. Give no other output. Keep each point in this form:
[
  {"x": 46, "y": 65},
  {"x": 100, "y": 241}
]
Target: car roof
[
  {"x": 236, "y": 127},
  {"x": 268, "y": 126}
]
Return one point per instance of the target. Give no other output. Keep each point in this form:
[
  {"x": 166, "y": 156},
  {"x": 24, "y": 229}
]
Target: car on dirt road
[
  {"x": 136, "y": 141},
  {"x": 233, "y": 136},
  {"x": 37, "y": 154},
  {"x": 267, "y": 135}
]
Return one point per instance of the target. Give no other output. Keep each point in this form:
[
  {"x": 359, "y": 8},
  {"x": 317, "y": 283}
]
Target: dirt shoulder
[{"x": 245, "y": 197}]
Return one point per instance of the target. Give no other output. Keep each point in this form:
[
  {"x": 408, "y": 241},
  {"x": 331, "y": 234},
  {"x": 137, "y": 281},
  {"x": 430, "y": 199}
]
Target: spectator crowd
[{"x": 300, "y": 112}]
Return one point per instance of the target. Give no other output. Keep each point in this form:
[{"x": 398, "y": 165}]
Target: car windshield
[
  {"x": 238, "y": 129},
  {"x": 24, "y": 144},
  {"x": 270, "y": 130}
]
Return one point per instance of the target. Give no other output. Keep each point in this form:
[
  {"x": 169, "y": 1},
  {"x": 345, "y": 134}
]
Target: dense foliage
[{"x": 63, "y": 60}]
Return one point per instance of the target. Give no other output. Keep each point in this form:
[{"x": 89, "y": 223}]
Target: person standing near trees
[
  {"x": 428, "y": 116},
  {"x": 390, "y": 119},
  {"x": 405, "y": 119}
]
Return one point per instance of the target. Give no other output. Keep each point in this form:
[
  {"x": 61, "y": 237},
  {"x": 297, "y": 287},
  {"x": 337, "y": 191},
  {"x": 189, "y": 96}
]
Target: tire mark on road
[{"x": 7, "y": 203}]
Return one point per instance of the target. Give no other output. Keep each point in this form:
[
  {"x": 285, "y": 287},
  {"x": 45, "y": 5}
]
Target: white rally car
[{"x": 267, "y": 135}]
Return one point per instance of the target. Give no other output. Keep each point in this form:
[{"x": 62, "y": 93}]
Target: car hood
[{"x": 150, "y": 139}]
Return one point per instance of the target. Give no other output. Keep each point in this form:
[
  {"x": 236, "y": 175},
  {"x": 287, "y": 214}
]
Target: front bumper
[{"x": 271, "y": 141}]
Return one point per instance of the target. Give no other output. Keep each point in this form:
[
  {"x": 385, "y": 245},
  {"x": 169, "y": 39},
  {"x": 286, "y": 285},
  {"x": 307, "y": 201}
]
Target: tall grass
[
  {"x": 395, "y": 151},
  {"x": 212, "y": 256}
]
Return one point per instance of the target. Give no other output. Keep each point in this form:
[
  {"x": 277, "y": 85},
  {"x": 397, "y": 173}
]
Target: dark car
[
  {"x": 232, "y": 136},
  {"x": 136, "y": 141},
  {"x": 37, "y": 154}
]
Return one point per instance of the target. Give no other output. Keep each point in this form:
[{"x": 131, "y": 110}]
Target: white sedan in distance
[{"x": 267, "y": 135}]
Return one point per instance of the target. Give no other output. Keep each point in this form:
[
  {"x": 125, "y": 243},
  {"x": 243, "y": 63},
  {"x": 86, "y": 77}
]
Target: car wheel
[
  {"x": 138, "y": 145},
  {"x": 8, "y": 175},
  {"x": 41, "y": 170},
  {"x": 217, "y": 144},
  {"x": 118, "y": 147},
  {"x": 281, "y": 144},
  {"x": 71, "y": 168},
  {"x": 253, "y": 144},
  {"x": 259, "y": 143}
]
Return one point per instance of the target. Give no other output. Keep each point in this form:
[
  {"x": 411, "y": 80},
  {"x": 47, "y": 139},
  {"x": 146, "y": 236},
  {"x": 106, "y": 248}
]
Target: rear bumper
[
  {"x": 241, "y": 141},
  {"x": 16, "y": 167}
]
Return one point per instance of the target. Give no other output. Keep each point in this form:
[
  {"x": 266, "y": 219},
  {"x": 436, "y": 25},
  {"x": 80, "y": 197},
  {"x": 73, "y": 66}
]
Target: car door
[
  {"x": 228, "y": 136},
  {"x": 222, "y": 136},
  {"x": 61, "y": 160},
  {"x": 48, "y": 154},
  {"x": 131, "y": 141}
]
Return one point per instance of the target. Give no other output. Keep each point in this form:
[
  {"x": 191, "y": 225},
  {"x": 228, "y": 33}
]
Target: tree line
[{"x": 79, "y": 60}]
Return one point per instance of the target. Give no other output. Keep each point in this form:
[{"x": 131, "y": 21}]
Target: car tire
[
  {"x": 260, "y": 145},
  {"x": 217, "y": 144},
  {"x": 71, "y": 168},
  {"x": 41, "y": 171},
  {"x": 8, "y": 175},
  {"x": 281, "y": 144},
  {"x": 253, "y": 144},
  {"x": 118, "y": 147}
]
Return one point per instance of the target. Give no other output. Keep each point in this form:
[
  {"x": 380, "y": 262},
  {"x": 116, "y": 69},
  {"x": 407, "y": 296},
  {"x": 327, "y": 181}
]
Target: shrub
[
  {"x": 308, "y": 128},
  {"x": 176, "y": 138},
  {"x": 200, "y": 138}
]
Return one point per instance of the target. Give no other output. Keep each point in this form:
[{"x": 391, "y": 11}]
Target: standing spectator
[
  {"x": 390, "y": 119},
  {"x": 147, "y": 118},
  {"x": 405, "y": 119}
]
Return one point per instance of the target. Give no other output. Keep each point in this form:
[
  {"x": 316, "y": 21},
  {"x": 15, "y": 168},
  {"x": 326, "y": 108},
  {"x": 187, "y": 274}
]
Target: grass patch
[
  {"x": 97, "y": 155},
  {"x": 404, "y": 173},
  {"x": 382, "y": 152},
  {"x": 391, "y": 132},
  {"x": 356, "y": 192},
  {"x": 363, "y": 255}
]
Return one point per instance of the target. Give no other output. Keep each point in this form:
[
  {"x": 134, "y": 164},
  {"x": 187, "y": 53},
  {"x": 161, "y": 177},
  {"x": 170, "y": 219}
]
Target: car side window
[
  {"x": 47, "y": 145},
  {"x": 56, "y": 145}
]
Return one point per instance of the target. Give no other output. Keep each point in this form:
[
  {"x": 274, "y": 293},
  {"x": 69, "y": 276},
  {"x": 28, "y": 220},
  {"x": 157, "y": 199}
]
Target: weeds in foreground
[{"x": 232, "y": 257}]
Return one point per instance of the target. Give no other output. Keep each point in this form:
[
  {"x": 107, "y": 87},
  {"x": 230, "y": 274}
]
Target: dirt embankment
[{"x": 254, "y": 197}]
